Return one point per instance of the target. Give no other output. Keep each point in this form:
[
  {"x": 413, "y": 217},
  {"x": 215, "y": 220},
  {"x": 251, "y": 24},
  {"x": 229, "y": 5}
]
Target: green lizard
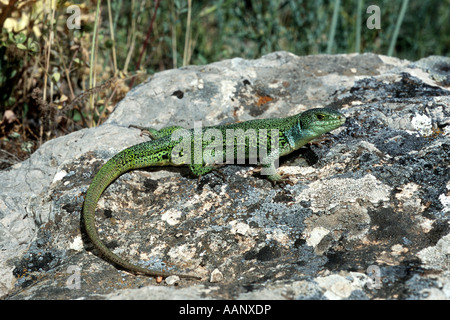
[{"x": 271, "y": 139}]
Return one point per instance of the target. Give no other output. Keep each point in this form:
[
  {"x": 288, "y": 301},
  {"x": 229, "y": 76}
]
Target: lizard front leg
[
  {"x": 199, "y": 169},
  {"x": 269, "y": 167}
]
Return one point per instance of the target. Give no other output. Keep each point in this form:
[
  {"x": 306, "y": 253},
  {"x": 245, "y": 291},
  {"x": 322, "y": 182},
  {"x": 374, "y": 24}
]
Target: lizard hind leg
[
  {"x": 273, "y": 175},
  {"x": 201, "y": 170}
]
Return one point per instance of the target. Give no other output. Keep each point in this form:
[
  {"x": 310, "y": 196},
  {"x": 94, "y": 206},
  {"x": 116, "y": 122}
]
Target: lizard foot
[
  {"x": 217, "y": 173},
  {"x": 144, "y": 130},
  {"x": 280, "y": 179}
]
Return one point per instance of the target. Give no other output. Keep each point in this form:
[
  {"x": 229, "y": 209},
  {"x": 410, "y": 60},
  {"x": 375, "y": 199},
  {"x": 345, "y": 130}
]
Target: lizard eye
[{"x": 320, "y": 116}]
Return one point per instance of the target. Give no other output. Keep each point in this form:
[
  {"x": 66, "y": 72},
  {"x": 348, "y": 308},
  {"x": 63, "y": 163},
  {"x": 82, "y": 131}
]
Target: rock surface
[{"x": 367, "y": 216}]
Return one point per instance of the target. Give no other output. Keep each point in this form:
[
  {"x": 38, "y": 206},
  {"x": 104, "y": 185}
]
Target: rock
[
  {"x": 338, "y": 287},
  {"x": 366, "y": 218},
  {"x": 171, "y": 280},
  {"x": 216, "y": 276}
]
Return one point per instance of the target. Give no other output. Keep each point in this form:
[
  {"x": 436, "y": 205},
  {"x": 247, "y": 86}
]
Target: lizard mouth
[
  {"x": 341, "y": 120},
  {"x": 329, "y": 125},
  {"x": 333, "y": 123}
]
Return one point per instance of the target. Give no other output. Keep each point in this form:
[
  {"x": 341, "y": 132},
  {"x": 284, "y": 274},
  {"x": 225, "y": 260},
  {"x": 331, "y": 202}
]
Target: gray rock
[{"x": 367, "y": 217}]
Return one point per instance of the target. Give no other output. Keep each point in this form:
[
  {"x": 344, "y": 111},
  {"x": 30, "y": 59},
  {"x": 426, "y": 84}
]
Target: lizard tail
[{"x": 113, "y": 168}]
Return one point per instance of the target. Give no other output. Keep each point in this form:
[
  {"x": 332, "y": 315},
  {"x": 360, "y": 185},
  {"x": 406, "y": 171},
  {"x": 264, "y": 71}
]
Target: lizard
[{"x": 277, "y": 136}]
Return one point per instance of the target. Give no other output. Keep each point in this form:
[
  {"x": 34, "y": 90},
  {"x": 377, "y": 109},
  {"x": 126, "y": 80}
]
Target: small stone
[
  {"x": 216, "y": 276},
  {"x": 171, "y": 280}
]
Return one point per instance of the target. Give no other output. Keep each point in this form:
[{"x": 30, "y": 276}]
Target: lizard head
[{"x": 321, "y": 120}]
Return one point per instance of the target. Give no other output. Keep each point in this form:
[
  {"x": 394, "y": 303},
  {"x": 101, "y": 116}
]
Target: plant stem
[
  {"x": 397, "y": 27},
  {"x": 92, "y": 63},
  {"x": 337, "y": 4},
  {"x": 147, "y": 38},
  {"x": 358, "y": 26},
  {"x": 187, "y": 39},
  {"x": 111, "y": 30}
]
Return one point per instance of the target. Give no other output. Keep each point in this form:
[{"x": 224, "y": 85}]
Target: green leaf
[
  {"x": 14, "y": 135},
  {"x": 20, "y": 38},
  {"x": 33, "y": 47},
  {"x": 76, "y": 116},
  {"x": 27, "y": 146},
  {"x": 21, "y": 46},
  {"x": 56, "y": 76}
]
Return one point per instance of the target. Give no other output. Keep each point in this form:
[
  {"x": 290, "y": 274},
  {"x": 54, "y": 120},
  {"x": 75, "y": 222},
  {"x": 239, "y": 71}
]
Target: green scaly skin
[{"x": 293, "y": 133}]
